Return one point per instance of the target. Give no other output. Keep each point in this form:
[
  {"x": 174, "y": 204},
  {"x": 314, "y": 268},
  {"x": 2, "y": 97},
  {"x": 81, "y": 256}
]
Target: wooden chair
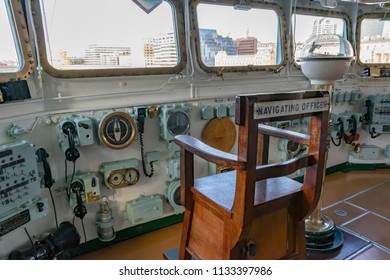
[{"x": 255, "y": 211}]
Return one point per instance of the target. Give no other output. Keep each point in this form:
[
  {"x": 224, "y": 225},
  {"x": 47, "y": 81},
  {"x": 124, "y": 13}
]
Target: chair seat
[{"x": 220, "y": 190}]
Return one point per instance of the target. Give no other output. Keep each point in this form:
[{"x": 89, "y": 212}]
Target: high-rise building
[
  {"x": 161, "y": 51},
  {"x": 323, "y": 26},
  {"x": 149, "y": 53},
  {"x": 265, "y": 55},
  {"x": 211, "y": 43},
  {"x": 107, "y": 55},
  {"x": 246, "y": 46}
]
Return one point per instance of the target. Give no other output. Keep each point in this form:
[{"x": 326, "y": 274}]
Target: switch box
[
  {"x": 367, "y": 152},
  {"x": 144, "y": 209},
  {"x": 174, "y": 168}
]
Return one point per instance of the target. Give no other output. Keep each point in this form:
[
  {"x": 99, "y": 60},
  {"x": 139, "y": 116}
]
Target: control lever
[
  {"x": 79, "y": 210},
  {"x": 71, "y": 153},
  {"x": 42, "y": 156}
]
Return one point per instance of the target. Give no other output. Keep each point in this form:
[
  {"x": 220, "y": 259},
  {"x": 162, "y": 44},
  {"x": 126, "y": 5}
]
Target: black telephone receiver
[
  {"x": 79, "y": 210},
  {"x": 141, "y": 124},
  {"x": 71, "y": 153},
  {"x": 42, "y": 156}
]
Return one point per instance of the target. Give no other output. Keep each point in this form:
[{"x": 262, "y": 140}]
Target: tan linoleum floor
[{"x": 358, "y": 202}]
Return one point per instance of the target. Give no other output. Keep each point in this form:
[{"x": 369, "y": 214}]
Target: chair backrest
[{"x": 254, "y": 112}]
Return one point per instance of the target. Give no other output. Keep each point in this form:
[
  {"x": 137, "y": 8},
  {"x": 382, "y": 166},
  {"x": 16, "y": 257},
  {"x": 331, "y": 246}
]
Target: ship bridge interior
[{"x": 96, "y": 95}]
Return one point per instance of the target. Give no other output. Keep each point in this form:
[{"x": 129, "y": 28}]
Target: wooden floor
[{"x": 358, "y": 202}]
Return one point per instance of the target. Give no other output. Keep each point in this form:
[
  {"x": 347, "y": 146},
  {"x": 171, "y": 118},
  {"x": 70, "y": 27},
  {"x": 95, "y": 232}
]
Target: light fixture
[
  {"x": 326, "y": 58},
  {"x": 105, "y": 221}
]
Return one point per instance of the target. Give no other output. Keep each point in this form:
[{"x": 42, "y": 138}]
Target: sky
[{"x": 7, "y": 48}]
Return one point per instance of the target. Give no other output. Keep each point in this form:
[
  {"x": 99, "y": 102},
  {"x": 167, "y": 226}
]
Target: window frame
[
  {"x": 177, "y": 10},
  {"x": 358, "y": 34},
  {"x": 257, "y": 5},
  {"x": 22, "y": 43},
  {"x": 321, "y": 13}
]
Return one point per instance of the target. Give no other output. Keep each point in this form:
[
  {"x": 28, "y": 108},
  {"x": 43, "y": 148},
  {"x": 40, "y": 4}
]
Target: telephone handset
[
  {"x": 71, "y": 153},
  {"x": 79, "y": 210},
  {"x": 141, "y": 123},
  {"x": 42, "y": 156}
]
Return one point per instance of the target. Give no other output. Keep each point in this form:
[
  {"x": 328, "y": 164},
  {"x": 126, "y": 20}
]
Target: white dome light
[{"x": 326, "y": 58}]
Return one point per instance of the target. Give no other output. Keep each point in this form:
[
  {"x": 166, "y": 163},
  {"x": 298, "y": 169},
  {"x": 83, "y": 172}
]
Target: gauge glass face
[
  {"x": 132, "y": 176},
  {"x": 292, "y": 147},
  {"x": 176, "y": 197},
  {"x": 178, "y": 123},
  {"x": 115, "y": 178},
  {"x": 117, "y": 130}
]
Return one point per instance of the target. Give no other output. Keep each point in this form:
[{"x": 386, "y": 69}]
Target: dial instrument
[
  {"x": 117, "y": 130},
  {"x": 293, "y": 147},
  {"x": 172, "y": 194},
  {"x": 178, "y": 122},
  {"x": 122, "y": 178},
  {"x": 131, "y": 176},
  {"x": 115, "y": 178}
]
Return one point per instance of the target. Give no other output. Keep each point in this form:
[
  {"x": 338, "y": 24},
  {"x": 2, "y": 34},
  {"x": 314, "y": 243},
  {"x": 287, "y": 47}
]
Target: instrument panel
[{"x": 117, "y": 130}]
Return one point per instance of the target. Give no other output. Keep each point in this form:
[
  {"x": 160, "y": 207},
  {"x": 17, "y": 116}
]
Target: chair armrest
[{"x": 208, "y": 153}]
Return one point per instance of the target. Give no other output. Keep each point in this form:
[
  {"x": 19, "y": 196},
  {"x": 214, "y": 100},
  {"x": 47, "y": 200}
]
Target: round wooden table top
[{"x": 220, "y": 134}]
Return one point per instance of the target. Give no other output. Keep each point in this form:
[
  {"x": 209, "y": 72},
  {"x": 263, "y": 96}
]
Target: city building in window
[{"x": 108, "y": 55}]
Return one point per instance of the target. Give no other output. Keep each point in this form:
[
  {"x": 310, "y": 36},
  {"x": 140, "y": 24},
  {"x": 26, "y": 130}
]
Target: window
[
  {"x": 109, "y": 35},
  {"x": 306, "y": 26},
  {"x": 16, "y": 59},
  {"x": 9, "y": 48},
  {"x": 374, "y": 41},
  {"x": 238, "y": 36}
]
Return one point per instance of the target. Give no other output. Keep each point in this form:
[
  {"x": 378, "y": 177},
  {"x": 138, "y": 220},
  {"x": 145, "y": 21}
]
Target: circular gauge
[
  {"x": 117, "y": 130},
  {"x": 178, "y": 122},
  {"x": 293, "y": 147},
  {"x": 173, "y": 196},
  {"x": 115, "y": 179},
  {"x": 220, "y": 134},
  {"x": 131, "y": 176},
  {"x": 176, "y": 196}
]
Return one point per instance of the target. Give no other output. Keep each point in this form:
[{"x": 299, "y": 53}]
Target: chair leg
[
  {"x": 185, "y": 235},
  {"x": 301, "y": 241}
]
